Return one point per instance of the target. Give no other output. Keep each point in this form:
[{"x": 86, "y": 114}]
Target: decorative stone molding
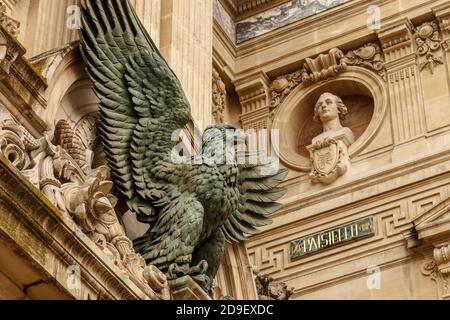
[
  {"x": 432, "y": 227},
  {"x": 22, "y": 83},
  {"x": 442, "y": 14},
  {"x": 428, "y": 41},
  {"x": 284, "y": 85},
  {"x": 268, "y": 289},
  {"x": 369, "y": 56},
  {"x": 81, "y": 192},
  {"x": 254, "y": 97},
  {"x": 240, "y": 7},
  {"x": 219, "y": 96},
  {"x": 329, "y": 158},
  {"x": 9, "y": 24},
  {"x": 10, "y": 51},
  {"x": 438, "y": 269},
  {"x": 326, "y": 67},
  {"x": 407, "y": 105}
]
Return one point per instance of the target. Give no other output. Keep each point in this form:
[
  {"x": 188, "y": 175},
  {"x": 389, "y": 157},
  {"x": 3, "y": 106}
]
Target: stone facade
[{"x": 394, "y": 76}]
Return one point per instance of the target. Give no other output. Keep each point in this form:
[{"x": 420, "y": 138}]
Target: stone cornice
[{"x": 241, "y": 9}]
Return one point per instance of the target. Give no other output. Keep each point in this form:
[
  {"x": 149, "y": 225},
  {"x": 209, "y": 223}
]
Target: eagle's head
[{"x": 219, "y": 143}]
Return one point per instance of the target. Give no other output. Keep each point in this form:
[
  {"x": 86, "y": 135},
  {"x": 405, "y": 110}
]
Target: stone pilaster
[{"x": 404, "y": 81}]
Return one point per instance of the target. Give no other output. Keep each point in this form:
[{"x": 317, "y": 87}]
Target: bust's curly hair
[{"x": 342, "y": 108}]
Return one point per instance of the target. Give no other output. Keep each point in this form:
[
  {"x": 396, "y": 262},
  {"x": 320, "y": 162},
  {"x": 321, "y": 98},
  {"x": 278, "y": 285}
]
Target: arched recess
[
  {"x": 65, "y": 72},
  {"x": 299, "y": 105}
]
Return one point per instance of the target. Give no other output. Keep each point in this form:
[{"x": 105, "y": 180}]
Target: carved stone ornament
[
  {"x": 10, "y": 51},
  {"x": 61, "y": 173},
  {"x": 428, "y": 42},
  {"x": 8, "y": 23},
  {"x": 268, "y": 289},
  {"x": 369, "y": 56},
  {"x": 219, "y": 98},
  {"x": 193, "y": 206},
  {"x": 328, "y": 159},
  {"x": 328, "y": 66},
  {"x": 438, "y": 269}
]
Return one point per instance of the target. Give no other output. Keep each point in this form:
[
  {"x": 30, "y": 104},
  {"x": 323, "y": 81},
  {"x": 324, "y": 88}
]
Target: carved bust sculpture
[
  {"x": 330, "y": 110},
  {"x": 329, "y": 150}
]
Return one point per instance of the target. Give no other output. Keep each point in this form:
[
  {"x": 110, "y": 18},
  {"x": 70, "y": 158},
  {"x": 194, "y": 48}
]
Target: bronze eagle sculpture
[{"x": 193, "y": 207}]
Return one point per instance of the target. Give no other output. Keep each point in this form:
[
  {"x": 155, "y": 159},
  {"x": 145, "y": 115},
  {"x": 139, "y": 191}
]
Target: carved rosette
[
  {"x": 328, "y": 160},
  {"x": 83, "y": 193},
  {"x": 428, "y": 41}
]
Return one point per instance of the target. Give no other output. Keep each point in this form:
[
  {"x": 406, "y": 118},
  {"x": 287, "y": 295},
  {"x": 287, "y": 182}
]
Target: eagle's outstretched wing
[
  {"x": 141, "y": 100},
  {"x": 259, "y": 191}
]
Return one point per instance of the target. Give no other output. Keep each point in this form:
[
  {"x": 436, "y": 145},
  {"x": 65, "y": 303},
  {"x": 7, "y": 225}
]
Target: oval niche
[{"x": 364, "y": 94}]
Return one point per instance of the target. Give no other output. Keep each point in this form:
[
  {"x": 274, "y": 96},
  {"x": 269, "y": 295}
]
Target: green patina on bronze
[{"x": 193, "y": 208}]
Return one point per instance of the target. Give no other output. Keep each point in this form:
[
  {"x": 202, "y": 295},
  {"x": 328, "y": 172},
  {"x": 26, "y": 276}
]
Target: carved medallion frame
[{"x": 290, "y": 116}]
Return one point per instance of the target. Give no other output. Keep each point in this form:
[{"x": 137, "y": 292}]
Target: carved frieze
[
  {"x": 81, "y": 192},
  {"x": 428, "y": 41}
]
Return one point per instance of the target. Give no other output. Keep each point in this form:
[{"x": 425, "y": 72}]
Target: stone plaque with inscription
[{"x": 333, "y": 237}]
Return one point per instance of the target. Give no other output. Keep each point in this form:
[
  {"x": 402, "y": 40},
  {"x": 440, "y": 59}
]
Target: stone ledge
[{"x": 186, "y": 288}]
